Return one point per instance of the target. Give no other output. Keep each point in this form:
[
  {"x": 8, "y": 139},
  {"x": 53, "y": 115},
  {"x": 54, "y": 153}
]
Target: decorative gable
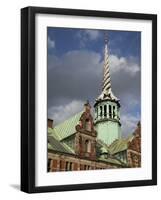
[{"x": 85, "y": 140}]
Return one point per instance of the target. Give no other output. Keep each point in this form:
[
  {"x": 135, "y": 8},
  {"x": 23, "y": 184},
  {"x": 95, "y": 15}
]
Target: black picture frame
[{"x": 28, "y": 98}]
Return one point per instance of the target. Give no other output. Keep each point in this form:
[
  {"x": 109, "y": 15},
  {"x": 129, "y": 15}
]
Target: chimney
[{"x": 50, "y": 123}]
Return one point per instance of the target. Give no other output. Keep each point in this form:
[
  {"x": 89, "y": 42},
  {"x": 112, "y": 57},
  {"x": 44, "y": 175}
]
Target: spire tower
[
  {"x": 106, "y": 85},
  {"x": 106, "y": 68},
  {"x": 107, "y": 106}
]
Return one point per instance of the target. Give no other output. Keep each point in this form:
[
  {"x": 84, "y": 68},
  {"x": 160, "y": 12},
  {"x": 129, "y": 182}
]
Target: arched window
[
  {"x": 87, "y": 146},
  {"x": 80, "y": 140},
  {"x": 105, "y": 111},
  {"x": 61, "y": 165},
  {"x": 100, "y": 111},
  {"x": 70, "y": 166},
  {"x": 114, "y": 113},
  {"x": 110, "y": 111},
  {"x": 80, "y": 144},
  {"x": 66, "y": 166},
  {"x": 96, "y": 112}
]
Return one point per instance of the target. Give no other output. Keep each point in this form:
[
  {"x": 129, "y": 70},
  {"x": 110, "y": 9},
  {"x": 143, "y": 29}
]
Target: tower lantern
[{"x": 107, "y": 106}]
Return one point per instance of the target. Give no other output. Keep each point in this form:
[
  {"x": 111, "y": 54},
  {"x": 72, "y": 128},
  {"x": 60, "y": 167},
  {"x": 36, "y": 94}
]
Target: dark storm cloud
[{"x": 76, "y": 75}]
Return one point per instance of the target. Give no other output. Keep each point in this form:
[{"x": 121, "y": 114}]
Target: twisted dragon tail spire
[
  {"x": 106, "y": 85},
  {"x": 106, "y": 69}
]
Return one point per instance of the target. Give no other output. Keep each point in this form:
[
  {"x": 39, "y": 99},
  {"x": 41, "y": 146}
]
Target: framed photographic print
[{"x": 88, "y": 99}]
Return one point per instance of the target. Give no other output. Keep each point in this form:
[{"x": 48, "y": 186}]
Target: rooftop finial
[
  {"x": 87, "y": 106},
  {"x": 86, "y": 103}
]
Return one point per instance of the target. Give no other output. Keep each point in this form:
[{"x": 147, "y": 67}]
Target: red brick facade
[
  {"x": 134, "y": 149},
  {"x": 69, "y": 163}
]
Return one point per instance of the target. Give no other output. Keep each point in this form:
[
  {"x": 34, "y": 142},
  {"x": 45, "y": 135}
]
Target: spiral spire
[
  {"x": 106, "y": 85},
  {"x": 106, "y": 69}
]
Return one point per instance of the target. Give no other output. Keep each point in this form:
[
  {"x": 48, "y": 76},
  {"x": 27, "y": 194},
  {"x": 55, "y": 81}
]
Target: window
[
  {"x": 110, "y": 113},
  {"x": 87, "y": 146},
  {"x": 88, "y": 125},
  {"x": 61, "y": 165},
  {"x": 81, "y": 167},
  {"x": 114, "y": 114},
  {"x": 66, "y": 166},
  {"x": 100, "y": 111},
  {"x": 105, "y": 111},
  {"x": 80, "y": 140},
  {"x": 70, "y": 166},
  {"x": 96, "y": 112}
]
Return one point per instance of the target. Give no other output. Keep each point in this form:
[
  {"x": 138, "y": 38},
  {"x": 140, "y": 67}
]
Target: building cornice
[
  {"x": 107, "y": 119},
  {"x": 107, "y": 100}
]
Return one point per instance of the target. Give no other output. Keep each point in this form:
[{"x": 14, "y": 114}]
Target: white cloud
[
  {"x": 51, "y": 43},
  {"x": 118, "y": 64},
  {"x": 78, "y": 63},
  {"x": 87, "y": 35},
  {"x": 92, "y": 34},
  {"x": 88, "y": 61},
  {"x": 63, "y": 112}
]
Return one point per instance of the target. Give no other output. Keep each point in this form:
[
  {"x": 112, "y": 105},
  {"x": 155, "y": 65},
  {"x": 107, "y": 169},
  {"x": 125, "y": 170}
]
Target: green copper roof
[
  {"x": 51, "y": 132},
  {"x": 68, "y": 147},
  {"x": 66, "y": 128},
  {"x": 56, "y": 145},
  {"x": 119, "y": 145},
  {"x": 103, "y": 148}
]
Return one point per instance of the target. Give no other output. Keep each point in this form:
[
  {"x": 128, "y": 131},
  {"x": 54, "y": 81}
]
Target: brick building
[{"x": 73, "y": 145}]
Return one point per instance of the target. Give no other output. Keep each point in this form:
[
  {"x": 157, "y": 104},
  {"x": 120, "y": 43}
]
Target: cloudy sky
[{"x": 75, "y": 72}]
